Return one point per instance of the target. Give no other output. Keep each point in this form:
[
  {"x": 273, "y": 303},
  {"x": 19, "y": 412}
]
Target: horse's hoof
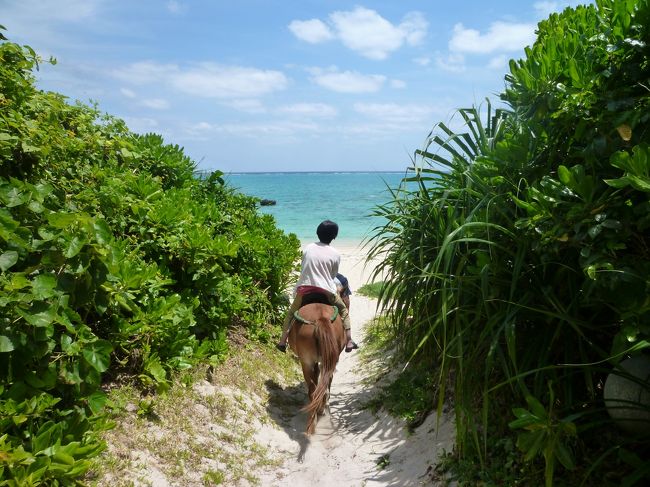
[{"x": 353, "y": 347}]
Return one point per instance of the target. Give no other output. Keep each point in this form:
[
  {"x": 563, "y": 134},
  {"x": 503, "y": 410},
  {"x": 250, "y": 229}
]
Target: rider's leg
[
  {"x": 295, "y": 306},
  {"x": 336, "y": 300}
]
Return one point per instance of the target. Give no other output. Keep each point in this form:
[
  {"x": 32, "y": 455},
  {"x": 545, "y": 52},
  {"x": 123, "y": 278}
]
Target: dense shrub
[
  {"x": 522, "y": 245},
  {"x": 113, "y": 257}
]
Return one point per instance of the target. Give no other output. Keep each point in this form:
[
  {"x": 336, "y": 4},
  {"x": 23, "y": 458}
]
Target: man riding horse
[{"x": 320, "y": 265}]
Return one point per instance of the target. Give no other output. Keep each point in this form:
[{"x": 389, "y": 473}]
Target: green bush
[
  {"x": 113, "y": 258},
  {"x": 521, "y": 245}
]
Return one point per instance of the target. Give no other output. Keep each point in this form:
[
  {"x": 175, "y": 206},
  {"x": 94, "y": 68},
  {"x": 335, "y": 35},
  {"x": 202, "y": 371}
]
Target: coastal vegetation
[
  {"x": 516, "y": 257},
  {"x": 116, "y": 265},
  {"x": 514, "y": 266}
]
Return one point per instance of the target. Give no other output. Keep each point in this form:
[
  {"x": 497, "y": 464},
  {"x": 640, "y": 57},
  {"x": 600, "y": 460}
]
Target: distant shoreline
[
  {"x": 239, "y": 173},
  {"x": 342, "y": 245}
]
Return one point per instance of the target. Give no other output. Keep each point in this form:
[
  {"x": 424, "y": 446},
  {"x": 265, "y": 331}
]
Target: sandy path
[{"x": 350, "y": 441}]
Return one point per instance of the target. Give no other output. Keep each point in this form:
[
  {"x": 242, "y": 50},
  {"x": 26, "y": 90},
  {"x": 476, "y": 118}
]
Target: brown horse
[{"x": 317, "y": 337}]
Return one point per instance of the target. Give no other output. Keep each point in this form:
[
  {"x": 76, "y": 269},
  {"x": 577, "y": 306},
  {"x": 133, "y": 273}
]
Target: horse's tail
[{"x": 329, "y": 351}]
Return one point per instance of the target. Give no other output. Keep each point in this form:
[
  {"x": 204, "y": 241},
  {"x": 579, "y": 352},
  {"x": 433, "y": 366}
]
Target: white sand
[
  {"x": 350, "y": 440},
  {"x": 344, "y": 452}
]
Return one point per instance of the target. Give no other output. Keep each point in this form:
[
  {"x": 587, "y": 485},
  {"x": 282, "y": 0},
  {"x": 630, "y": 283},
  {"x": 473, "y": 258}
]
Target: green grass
[
  {"x": 189, "y": 429},
  {"x": 371, "y": 290},
  {"x": 410, "y": 393}
]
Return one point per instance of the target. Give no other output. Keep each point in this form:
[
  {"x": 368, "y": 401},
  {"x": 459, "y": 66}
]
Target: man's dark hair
[{"x": 327, "y": 231}]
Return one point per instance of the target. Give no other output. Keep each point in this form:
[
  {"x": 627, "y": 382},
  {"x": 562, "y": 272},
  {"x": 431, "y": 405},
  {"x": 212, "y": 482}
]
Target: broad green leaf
[
  {"x": 6, "y": 345},
  {"x": 618, "y": 183},
  {"x": 573, "y": 71},
  {"x": 563, "y": 454},
  {"x": 97, "y": 401},
  {"x": 62, "y": 220},
  {"x": 640, "y": 183},
  {"x": 156, "y": 370},
  {"x": 97, "y": 354},
  {"x": 48, "y": 433},
  {"x": 47, "y": 233},
  {"x": 565, "y": 176},
  {"x": 591, "y": 272},
  {"x": 38, "y": 467},
  {"x": 29, "y": 147},
  {"x": 19, "y": 419},
  {"x": 103, "y": 233},
  {"x": 13, "y": 196},
  {"x": 7, "y": 223},
  {"x": 63, "y": 457},
  {"x": 18, "y": 281},
  {"x": 523, "y": 422},
  {"x": 8, "y": 259},
  {"x": 536, "y": 407},
  {"x": 33, "y": 380},
  {"x": 69, "y": 373},
  {"x": 75, "y": 245},
  {"x": 39, "y": 318},
  {"x": 66, "y": 344},
  {"x": 43, "y": 286},
  {"x": 36, "y": 206},
  {"x": 531, "y": 443}
]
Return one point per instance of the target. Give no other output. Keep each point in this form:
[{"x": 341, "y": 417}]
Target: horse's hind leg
[{"x": 310, "y": 373}]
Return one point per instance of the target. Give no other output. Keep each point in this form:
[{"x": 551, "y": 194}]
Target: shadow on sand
[{"x": 284, "y": 407}]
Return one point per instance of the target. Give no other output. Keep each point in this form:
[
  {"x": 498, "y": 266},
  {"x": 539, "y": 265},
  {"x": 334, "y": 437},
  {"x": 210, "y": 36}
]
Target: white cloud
[
  {"x": 48, "y": 25},
  {"x": 206, "y": 130},
  {"x": 312, "y": 31},
  {"x": 398, "y": 84},
  {"x": 347, "y": 81},
  {"x": 422, "y": 61},
  {"x": 176, "y": 7},
  {"x": 216, "y": 81},
  {"x": 394, "y": 113},
  {"x": 247, "y": 105},
  {"x": 544, "y": 9},
  {"x": 501, "y": 36},
  {"x": 199, "y": 127},
  {"x": 145, "y": 72},
  {"x": 318, "y": 110},
  {"x": 368, "y": 33},
  {"x": 142, "y": 125},
  {"x": 454, "y": 63},
  {"x": 364, "y": 31},
  {"x": 498, "y": 62},
  {"x": 155, "y": 103},
  {"x": 50, "y": 11},
  {"x": 128, "y": 93},
  {"x": 414, "y": 27},
  {"x": 206, "y": 80}
]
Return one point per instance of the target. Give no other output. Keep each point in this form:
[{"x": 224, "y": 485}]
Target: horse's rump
[{"x": 318, "y": 342}]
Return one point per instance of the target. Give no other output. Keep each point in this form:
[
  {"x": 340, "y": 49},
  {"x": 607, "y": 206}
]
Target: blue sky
[{"x": 279, "y": 85}]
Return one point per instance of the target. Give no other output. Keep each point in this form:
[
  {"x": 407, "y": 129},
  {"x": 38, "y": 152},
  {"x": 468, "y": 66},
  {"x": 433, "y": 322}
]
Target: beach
[{"x": 303, "y": 200}]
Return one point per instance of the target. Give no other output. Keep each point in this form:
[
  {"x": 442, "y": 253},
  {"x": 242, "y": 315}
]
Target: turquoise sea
[{"x": 305, "y": 199}]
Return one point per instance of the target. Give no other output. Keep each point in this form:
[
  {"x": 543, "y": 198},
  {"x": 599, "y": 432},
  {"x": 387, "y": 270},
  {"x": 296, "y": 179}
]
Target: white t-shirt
[{"x": 320, "y": 264}]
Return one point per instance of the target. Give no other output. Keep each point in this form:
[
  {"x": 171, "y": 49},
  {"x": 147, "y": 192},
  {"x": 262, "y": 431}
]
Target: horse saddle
[{"x": 312, "y": 298}]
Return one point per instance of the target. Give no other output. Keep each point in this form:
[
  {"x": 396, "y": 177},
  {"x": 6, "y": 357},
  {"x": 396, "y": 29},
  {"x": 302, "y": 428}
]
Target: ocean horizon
[{"x": 304, "y": 199}]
